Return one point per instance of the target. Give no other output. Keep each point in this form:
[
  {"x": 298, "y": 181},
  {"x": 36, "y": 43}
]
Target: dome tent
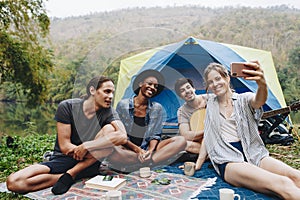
[{"x": 188, "y": 58}]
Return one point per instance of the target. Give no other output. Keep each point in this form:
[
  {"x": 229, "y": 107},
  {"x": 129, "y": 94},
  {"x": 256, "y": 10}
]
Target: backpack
[{"x": 275, "y": 132}]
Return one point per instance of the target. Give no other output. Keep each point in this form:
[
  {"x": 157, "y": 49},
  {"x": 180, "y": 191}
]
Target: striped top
[{"x": 247, "y": 120}]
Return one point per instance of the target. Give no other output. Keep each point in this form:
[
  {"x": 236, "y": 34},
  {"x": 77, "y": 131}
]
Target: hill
[{"x": 274, "y": 29}]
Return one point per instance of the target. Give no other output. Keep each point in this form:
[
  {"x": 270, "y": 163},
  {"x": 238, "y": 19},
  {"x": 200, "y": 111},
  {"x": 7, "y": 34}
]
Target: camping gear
[
  {"x": 271, "y": 127},
  {"x": 188, "y": 58},
  {"x": 272, "y": 131}
]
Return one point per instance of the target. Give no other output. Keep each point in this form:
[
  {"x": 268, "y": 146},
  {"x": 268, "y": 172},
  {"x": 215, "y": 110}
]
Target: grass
[
  {"x": 24, "y": 151},
  {"x": 28, "y": 150},
  {"x": 288, "y": 154}
]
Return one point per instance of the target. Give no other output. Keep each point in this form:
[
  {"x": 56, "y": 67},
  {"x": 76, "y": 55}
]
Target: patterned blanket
[
  {"x": 179, "y": 187},
  {"x": 203, "y": 185},
  {"x": 206, "y": 172}
]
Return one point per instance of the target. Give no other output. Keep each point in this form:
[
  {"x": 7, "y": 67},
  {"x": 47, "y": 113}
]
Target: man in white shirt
[{"x": 184, "y": 88}]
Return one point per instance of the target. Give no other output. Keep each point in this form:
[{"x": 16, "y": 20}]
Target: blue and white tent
[{"x": 189, "y": 58}]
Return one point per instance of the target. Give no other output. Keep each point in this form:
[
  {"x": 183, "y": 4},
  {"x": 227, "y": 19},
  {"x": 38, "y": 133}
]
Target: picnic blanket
[
  {"x": 203, "y": 185},
  {"x": 206, "y": 172}
]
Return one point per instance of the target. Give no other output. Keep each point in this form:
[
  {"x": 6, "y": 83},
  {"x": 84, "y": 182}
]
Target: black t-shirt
[{"x": 82, "y": 129}]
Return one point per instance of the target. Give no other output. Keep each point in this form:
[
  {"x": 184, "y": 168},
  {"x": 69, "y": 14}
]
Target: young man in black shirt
[{"x": 88, "y": 129}]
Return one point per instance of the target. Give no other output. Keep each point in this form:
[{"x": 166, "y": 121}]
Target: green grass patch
[{"x": 24, "y": 151}]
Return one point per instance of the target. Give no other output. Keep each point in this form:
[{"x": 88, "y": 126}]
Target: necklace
[
  {"x": 227, "y": 108},
  {"x": 228, "y": 103}
]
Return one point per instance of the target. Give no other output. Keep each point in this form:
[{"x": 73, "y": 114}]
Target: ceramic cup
[
  {"x": 113, "y": 195},
  {"x": 189, "y": 168},
  {"x": 228, "y": 194},
  {"x": 145, "y": 172}
]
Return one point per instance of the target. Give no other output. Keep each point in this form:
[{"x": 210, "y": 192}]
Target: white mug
[
  {"x": 228, "y": 194},
  {"x": 189, "y": 168},
  {"x": 145, "y": 172},
  {"x": 113, "y": 195}
]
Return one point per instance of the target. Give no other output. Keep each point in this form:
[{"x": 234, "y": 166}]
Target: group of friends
[{"x": 89, "y": 130}]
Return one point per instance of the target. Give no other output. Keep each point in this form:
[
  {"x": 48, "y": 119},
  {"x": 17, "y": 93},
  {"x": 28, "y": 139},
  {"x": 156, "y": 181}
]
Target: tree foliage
[
  {"x": 24, "y": 59},
  {"x": 62, "y": 82},
  {"x": 289, "y": 76},
  {"x": 289, "y": 79}
]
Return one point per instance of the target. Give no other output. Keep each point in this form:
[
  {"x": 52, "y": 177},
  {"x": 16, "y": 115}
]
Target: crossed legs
[
  {"x": 165, "y": 150},
  {"x": 67, "y": 179},
  {"x": 36, "y": 177}
]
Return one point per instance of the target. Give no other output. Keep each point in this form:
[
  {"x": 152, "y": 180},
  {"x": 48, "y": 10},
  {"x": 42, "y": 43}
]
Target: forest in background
[{"x": 103, "y": 39}]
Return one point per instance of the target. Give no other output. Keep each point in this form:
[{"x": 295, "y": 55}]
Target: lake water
[{"x": 17, "y": 119}]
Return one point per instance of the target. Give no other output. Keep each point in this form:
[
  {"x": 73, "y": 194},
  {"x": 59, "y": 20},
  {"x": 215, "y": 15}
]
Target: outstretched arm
[{"x": 258, "y": 75}]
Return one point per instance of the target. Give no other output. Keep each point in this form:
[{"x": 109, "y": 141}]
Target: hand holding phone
[{"x": 236, "y": 69}]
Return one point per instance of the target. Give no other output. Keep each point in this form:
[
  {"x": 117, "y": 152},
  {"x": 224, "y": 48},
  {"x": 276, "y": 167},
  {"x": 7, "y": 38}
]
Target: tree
[
  {"x": 289, "y": 80},
  {"x": 24, "y": 59},
  {"x": 289, "y": 76}
]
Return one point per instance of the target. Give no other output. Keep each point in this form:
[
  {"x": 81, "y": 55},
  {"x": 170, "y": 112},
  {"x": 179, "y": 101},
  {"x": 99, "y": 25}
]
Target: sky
[{"x": 67, "y": 8}]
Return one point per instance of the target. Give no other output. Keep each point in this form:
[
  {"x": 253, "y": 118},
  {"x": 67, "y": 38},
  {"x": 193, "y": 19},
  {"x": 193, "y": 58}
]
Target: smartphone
[{"x": 236, "y": 69}]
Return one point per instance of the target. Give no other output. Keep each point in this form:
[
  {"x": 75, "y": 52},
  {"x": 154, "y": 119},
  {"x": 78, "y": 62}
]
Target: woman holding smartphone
[{"x": 232, "y": 140}]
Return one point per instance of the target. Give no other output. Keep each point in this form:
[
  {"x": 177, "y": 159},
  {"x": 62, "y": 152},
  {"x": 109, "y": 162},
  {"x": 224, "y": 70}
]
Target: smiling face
[
  {"x": 187, "y": 92},
  {"x": 104, "y": 94},
  {"x": 218, "y": 84},
  {"x": 149, "y": 87}
]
